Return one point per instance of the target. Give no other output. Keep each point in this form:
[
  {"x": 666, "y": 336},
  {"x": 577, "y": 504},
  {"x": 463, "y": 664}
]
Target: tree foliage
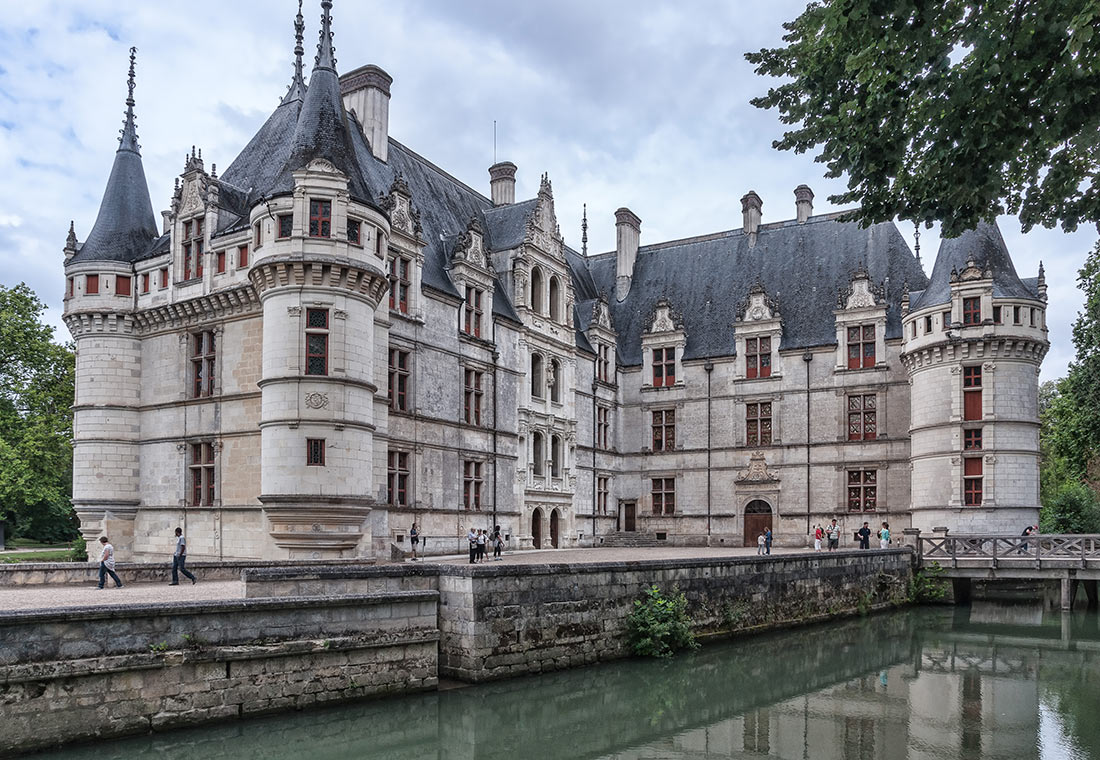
[
  {"x": 947, "y": 110},
  {"x": 36, "y": 398},
  {"x": 1074, "y": 508}
]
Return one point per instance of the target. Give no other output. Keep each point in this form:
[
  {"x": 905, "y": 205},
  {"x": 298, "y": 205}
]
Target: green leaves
[
  {"x": 659, "y": 626},
  {"x": 947, "y": 111}
]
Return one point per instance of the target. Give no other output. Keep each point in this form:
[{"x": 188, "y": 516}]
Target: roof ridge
[{"x": 437, "y": 169}]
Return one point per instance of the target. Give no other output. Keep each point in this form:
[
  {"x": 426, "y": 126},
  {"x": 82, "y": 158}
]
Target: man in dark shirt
[{"x": 864, "y": 534}]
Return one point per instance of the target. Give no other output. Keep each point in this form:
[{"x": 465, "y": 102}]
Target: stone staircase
[{"x": 629, "y": 540}]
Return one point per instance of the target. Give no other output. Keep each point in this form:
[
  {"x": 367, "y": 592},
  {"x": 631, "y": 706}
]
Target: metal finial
[
  {"x": 130, "y": 80},
  {"x": 326, "y": 53},
  {"x": 299, "y": 36},
  {"x": 584, "y": 231},
  {"x": 916, "y": 238},
  {"x": 128, "y": 137}
]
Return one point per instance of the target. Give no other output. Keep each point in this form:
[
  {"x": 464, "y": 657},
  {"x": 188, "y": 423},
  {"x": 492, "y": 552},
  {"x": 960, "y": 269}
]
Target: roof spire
[
  {"x": 584, "y": 231},
  {"x": 326, "y": 53},
  {"x": 297, "y": 89},
  {"x": 128, "y": 138}
]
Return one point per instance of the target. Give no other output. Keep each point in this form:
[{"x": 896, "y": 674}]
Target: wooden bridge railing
[{"x": 994, "y": 549}]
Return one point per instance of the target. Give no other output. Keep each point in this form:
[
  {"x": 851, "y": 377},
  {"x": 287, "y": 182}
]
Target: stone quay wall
[{"x": 79, "y": 674}]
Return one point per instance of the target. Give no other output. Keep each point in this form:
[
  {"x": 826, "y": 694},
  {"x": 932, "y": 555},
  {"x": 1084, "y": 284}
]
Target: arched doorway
[
  {"x": 536, "y": 529},
  {"x": 758, "y": 517},
  {"x": 554, "y": 529}
]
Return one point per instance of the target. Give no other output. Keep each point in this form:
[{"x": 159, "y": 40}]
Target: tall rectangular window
[
  {"x": 472, "y": 312},
  {"x": 122, "y": 286},
  {"x": 201, "y": 470},
  {"x": 946, "y": 320},
  {"x": 203, "y": 355},
  {"x": 664, "y": 495},
  {"x": 399, "y": 380},
  {"x": 603, "y": 491},
  {"x": 286, "y": 225},
  {"x": 69, "y": 288},
  {"x": 664, "y": 367},
  {"x": 397, "y": 478},
  {"x": 862, "y": 490},
  {"x": 91, "y": 284},
  {"x": 928, "y": 324},
  {"x": 972, "y": 393},
  {"x": 242, "y": 257},
  {"x": 219, "y": 262},
  {"x": 316, "y": 341},
  {"x": 861, "y": 346},
  {"x": 758, "y": 357},
  {"x": 972, "y": 311},
  {"x": 603, "y": 362},
  {"x": 355, "y": 231},
  {"x": 315, "y": 452},
  {"x": 471, "y": 405},
  {"x": 758, "y": 424},
  {"x": 320, "y": 218},
  {"x": 164, "y": 278},
  {"x": 972, "y": 439},
  {"x": 144, "y": 283},
  {"x": 1015, "y": 315},
  {"x": 664, "y": 430},
  {"x": 400, "y": 283},
  {"x": 996, "y": 315},
  {"x": 863, "y": 417},
  {"x": 603, "y": 427},
  {"x": 972, "y": 481},
  {"x": 198, "y": 257},
  {"x": 471, "y": 485}
]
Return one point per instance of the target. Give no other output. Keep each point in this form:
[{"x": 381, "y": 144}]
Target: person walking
[
  {"x": 498, "y": 543},
  {"x": 1028, "y": 530},
  {"x": 819, "y": 534},
  {"x": 107, "y": 563},
  {"x": 833, "y": 531},
  {"x": 414, "y": 539},
  {"x": 472, "y": 538},
  {"x": 884, "y": 536},
  {"x": 864, "y": 534},
  {"x": 768, "y": 540},
  {"x": 178, "y": 560},
  {"x": 482, "y": 539},
  {"x": 760, "y": 544}
]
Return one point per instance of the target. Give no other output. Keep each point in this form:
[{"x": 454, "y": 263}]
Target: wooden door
[
  {"x": 554, "y": 529},
  {"x": 628, "y": 516},
  {"x": 758, "y": 517}
]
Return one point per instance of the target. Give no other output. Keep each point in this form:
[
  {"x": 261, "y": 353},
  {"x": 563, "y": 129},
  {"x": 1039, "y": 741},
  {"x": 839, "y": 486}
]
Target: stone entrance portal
[
  {"x": 758, "y": 517},
  {"x": 629, "y": 508}
]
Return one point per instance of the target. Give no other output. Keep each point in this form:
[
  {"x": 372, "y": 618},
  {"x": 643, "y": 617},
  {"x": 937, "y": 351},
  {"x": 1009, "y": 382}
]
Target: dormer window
[
  {"x": 758, "y": 357},
  {"x": 399, "y": 283},
  {"x": 664, "y": 367},
  {"x": 603, "y": 362},
  {"x": 972, "y": 311},
  {"x": 355, "y": 232},
  {"x": 861, "y": 346},
  {"x": 471, "y": 323},
  {"x": 192, "y": 248},
  {"x": 320, "y": 218}
]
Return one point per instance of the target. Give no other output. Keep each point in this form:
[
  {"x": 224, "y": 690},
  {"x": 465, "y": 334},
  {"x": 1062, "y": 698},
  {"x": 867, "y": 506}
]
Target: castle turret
[
  {"x": 973, "y": 343},
  {"x": 99, "y": 306}
]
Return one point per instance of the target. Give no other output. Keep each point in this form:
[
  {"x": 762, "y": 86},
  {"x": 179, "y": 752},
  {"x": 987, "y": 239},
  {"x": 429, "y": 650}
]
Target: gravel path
[{"x": 52, "y": 597}]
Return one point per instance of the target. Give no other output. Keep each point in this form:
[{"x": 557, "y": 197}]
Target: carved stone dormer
[
  {"x": 404, "y": 218},
  {"x": 472, "y": 271},
  {"x": 469, "y": 248},
  {"x": 757, "y": 306},
  {"x": 541, "y": 230},
  {"x": 861, "y": 293},
  {"x": 757, "y": 473},
  {"x": 971, "y": 273},
  {"x": 663, "y": 344},
  {"x": 861, "y": 322},
  {"x": 758, "y": 331}
]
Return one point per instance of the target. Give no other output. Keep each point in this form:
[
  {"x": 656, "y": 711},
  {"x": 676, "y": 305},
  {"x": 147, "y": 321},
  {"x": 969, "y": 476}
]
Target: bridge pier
[
  {"x": 1091, "y": 593},
  {"x": 960, "y": 590},
  {"x": 1069, "y": 590}
]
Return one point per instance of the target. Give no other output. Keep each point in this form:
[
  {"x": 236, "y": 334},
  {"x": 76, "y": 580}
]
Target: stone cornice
[
  {"x": 945, "y": 352},
  {"x": 349, "y": 276},
  {"x": 85, "y": 323},
  {"x": 208, "y": 307}
]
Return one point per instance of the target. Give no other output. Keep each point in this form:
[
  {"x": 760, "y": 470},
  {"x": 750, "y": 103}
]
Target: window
[
  {"x": 862, "y": 490},
  {"x": 972, "y": 481},
  {"x": 946, "y": 320},
  {"x": 996, "y": 315},
  {"x": 257, "y": 235},
  {"x": 603, "y": 427},
  {"x": 603, "y": 491},
  {"x": 538, "y": 454},
  {"x": 603, "y": 362},
  {"x": 471, "y": 323},
  {"x": 286, "y": 225},
  {"x": 164, "y": 278},
  {"x": 1033, "y": 320},
  {"x": 555, "y": 295},
  {"x": 219, "y": 259},
  {"x": 355, "y": 232},
  {"x": 555, "y": 456},
  {"x": 399, "y": 284},
  {"x": 315, "y": 452},
  {"x": 537, "y": 384},
  {"x": 316, "y": 341},
  {"x": 397, "y": 480},
  {"x": 1016, "y": 315},
  {"x": 91, "y": 285},
  {"x": 69, "y": 288},
  {"x": 972, "y": 393},
  {"x": 242, "y": 257},
  {"x": 471, "y": 485},
  {"x": 861, "y": 346},
  {"x": 144, "y": 283},
  {"x": 471, "y": 407},
  {"x": 536, "y": 290},
  {"x": 399, "y": 380},
  {"x": 758, "y": 424},
  {"x": 664, "y": 496},
  {"x": 122, "y": 286},
  {"x": 758, "y": 357},
  {"x": 862, "y": 417},
  {"x": 202, "y": 364},
  {"x": 555, "y": 381},
  {"x": 664, "y": 367},
  {"x": 202, "y": 474},
  {"x": 972, "y": 311},
  {"x": 378, "y": 242},
  {"x": 192, "y": 249},
  {"x": 320, "y": 218},
  {"x": 972, "y": 439},
  {"x": 928, "y": 324},
  {"x": 664, "y": 430}
]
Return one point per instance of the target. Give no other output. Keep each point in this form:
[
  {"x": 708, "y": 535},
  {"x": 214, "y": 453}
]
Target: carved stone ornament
[
  {"x": 757, "y": 471},
  {"x": 192, "y": 197},
  {"x": 601, "y": 312},
  {"x": 757, "y": 306},
  {"x": 971, "y": 272},
  {"x": 317, "y": 400},
  {"x": 322, "y": 165},
  {"x": 664, "y": 318},
  {"x": 861, "y": 292}
]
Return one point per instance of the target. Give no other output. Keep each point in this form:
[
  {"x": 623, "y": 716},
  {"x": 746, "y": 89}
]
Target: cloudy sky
[{"x": 641, "y": 104}]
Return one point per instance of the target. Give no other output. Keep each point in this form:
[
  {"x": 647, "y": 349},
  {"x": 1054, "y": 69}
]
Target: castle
[{"x": 335, "y": 338}]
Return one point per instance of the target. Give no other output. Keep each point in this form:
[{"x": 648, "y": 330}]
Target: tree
[
  {"x": 36, "y": 398},
  {"x": 1074, "y": 509},
  {"x": 947, "y": 110}
]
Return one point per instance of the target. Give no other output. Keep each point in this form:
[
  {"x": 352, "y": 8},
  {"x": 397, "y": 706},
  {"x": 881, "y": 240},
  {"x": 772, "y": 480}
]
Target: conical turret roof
[
  {"x": 125, "y": 225},
  {"x": 986, "y": 248}
]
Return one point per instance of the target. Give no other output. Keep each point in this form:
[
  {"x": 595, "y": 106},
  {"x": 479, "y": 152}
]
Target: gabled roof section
[
  {"x": 986, "y": 248},
  {"x": 505, "y": 225},
  {"x": 125, "y": 225}
]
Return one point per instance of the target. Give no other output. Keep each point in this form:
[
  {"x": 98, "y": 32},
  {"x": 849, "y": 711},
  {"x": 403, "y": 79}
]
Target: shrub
[
  {"x": 928, "y": 584},
  {"x": 80, "y": 550},
  {"x": 660, "y": 626}
]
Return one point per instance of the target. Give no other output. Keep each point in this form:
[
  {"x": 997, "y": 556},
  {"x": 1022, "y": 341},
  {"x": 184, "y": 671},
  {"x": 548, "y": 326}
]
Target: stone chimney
[
  {"x": 751, "y": 207},
  {"x": 803, "y": 203},
  {"x": 502, "y": 181},
  {"x": 366, "y": 91},
  {"x": 628, "y": 232}
]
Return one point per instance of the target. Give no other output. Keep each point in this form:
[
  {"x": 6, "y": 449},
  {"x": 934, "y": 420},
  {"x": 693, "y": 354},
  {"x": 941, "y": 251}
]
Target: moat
[{"x": 989, "y": 680}]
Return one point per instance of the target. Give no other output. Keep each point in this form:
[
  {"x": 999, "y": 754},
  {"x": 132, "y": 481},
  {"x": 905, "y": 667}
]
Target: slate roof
[
  {"x": 706, "y": 278},
  {"x": 505, "y": 225},
  {"x": 986, "y": 248}
]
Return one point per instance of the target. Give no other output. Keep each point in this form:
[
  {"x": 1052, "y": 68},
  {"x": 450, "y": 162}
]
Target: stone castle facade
[{"x": 335, "y": 338}]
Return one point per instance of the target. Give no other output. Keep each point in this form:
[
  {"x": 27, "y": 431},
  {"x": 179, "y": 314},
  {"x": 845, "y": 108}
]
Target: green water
[{"x": 988, "y": 681}]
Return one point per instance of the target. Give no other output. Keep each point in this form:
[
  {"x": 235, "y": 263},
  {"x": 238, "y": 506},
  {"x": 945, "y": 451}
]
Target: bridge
[{"x": 1068, "y": 558}]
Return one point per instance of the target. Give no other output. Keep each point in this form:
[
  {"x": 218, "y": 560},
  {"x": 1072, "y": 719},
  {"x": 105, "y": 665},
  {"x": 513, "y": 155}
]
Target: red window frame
[
  {"x": 972, "y": 393},
  {"x": 122, "y": 286},
  {"x": 317, "y": 325},
  {"x": 257, "y": 234},
  {"x": 186, "y": 262},
  {"x": 397, "y": 478},
  {"x": 972, "y": 481},
  {"x": 164, "y": 278},
  {"x": 471, "y": 485},
  {"x": 972, "y": 439},
  {"x": 758, "y": 357},
  {"x": 663, "y": 491},
  {"x": 315, "y": 452},
  {"x": 472, "y": 312},
  {"x": 758, "y": 423},
  {"x": 972, "y": 310},
  {"x": 202, "y": 475},
  {"x": 861, "y": 346},
  {"x": 203, "y": 359},
  {"x": 862, "y": 490},
  {"x": 91, "y": 284},
  {"x": 69, "y": 288},
  {"x": 320, "y": 218},
  {"x": 863, "y": 417},
  {"x": 400, "y": 283},
  {"x": 472, "y": 391},
  {"x": 399, "y": 380},
  {"x": 664, "y": 429},
  {"x": 664, "y": 367},
  {"x": 242, "y": 257},
  {"x": 144, "y": 283},
  {"x": 219, "y": 262}
]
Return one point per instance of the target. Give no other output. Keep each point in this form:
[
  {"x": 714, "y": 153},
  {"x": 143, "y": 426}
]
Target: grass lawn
[
  {"x": 27, "y": 543},
  {"x": 57, "y": 555}
]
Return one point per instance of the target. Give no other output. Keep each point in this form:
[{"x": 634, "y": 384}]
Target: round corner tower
[{"x": 973, "y": 342}]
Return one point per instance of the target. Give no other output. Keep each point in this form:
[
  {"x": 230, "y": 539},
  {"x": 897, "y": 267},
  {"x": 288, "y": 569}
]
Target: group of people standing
[
  {"x": 831, "y": 532},
  {"x": 480, "y": 539}
]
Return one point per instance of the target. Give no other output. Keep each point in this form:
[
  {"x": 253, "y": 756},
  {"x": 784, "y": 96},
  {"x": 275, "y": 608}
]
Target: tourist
[
  {"x": 178, "y": 560},
  {"x": 472, "y": 538},
  {"x": 884, "y": 536},
  {"x": 482, "y": 538},
  {"x": 498, "y": 543},
  {"x": 819, "y": 533},
  {"x": 768, "y": 540},
  {"x": 833, "y": 532},
  {"x": 864, "y": 534},
  {"x": 414, "y": 538},
  {"x": 107, "y": 564},
  {"x": 760, "y": 544}
]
